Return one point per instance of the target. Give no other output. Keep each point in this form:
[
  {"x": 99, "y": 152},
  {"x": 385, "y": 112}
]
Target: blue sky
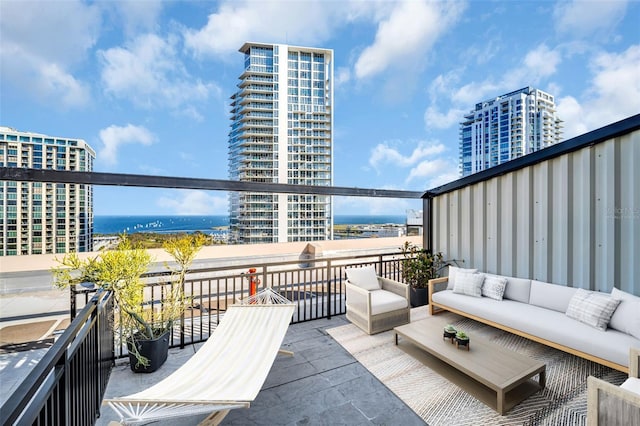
[{"x": 147, "y": 83}]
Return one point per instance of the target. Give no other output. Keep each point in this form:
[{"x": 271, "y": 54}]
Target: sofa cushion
[
  {"x": 518, "y": 289},
  {"x": 364, "y": 277},
  {"x": 383, "y": 301},
  {"x": 469, "y": 283},
  {"x": 453, "y": 270},
  {"x": 591, "y": 308},
  {"x": 626, "y": 317},
  {"x": 494, "y": 286},
  {"x": 551, "y": 296},
  {"x": 632, "y": 384}
]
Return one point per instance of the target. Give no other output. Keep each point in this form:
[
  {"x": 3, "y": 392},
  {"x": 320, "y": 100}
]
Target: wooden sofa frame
[
  {"x": 436, "y": 308},
  {"x": 610, "y": 405}
]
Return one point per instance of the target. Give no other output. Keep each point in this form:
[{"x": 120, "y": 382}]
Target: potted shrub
[
  {"x": 449, "y": 332},
  {"x": 418, "y": 267},
  {"x": 145, "y": 330},
  {"x": 462, "y": 339}
]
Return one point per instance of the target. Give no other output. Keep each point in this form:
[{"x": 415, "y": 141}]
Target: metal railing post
[
  {"x": 329, "y": 284},
  {"x": 72, "y": 302}
]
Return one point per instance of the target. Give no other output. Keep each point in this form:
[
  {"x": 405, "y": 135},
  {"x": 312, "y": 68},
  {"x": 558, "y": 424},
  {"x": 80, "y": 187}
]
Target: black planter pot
[
  {"x": 418, "y": 296},
  {"x": 462, "y": 343},
  {"x": 155, "y": 350}
]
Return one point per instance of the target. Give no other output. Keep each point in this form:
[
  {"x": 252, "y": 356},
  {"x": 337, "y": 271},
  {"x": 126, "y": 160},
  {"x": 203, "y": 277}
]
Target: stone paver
[{"x": 321, "y": 384}]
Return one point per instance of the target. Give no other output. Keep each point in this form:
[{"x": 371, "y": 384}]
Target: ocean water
[{"x": 206, "y": 224}]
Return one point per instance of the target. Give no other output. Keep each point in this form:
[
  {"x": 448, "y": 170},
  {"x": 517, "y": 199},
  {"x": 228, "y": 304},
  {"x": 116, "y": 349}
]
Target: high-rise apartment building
[
  {"x": 282, "y": 132},
  {"x": 507, "y": 127},
  {"x": 36, "y": 217}
]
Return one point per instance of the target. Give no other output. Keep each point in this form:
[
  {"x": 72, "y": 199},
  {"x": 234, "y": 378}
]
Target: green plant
[
  {"x": 449, "y": 328},
  {"x": 119, "y": 271},
  {"x": 461, "y": 335},
  {"x": 419, "y": 266}
]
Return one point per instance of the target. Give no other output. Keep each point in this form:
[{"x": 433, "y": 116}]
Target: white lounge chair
[
  {"x": 226, "y": 373},
  {"x": 376, "y": 304}
]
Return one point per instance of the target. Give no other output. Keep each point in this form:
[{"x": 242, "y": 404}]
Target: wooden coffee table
[{"x": 499, "y": 377}]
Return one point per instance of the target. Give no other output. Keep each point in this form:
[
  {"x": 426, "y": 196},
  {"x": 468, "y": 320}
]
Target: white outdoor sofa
[{"x": 537, "y": 310}]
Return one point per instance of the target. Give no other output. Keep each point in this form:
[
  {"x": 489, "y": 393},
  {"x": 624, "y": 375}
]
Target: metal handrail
[{"x": 49, "y": 390}]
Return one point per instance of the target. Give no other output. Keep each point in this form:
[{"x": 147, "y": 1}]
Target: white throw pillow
[
  {"x": 364, "y": 277},
  {"x": 453, "y": 273},
  {"x": 469, "y": 284},
  {"x": 626, "y": 317},
  {"x": 592, "y": 308},
  {"x": 494, "y": 287}
]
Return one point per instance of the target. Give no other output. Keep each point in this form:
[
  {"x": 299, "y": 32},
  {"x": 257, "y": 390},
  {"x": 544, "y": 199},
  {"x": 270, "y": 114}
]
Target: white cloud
[
  {"x": 115, "y": 136},
  {"x": 195, "y": 202},
  {"x": 406, "y": 35},
  {"x": 53, "y": 82},
  {"x": 437, "y": 120},
  {"x": 375, "y": 206},
  {"x": 137, "y": 15},
  {"x": 541, "y": 62},
  {"x": 234, "y": 23},
  {"x": 149, "y": 73},
  {"x": 613, "y": 94},
  {"x": 538, "y": 64},
  {"x": 41, "y": 46},
  {"x": 431, "y": 168},
  {"x": 384, "y": 154},
  {"x": 342, "y": 76},
  {"x": 581, "y": 18}
]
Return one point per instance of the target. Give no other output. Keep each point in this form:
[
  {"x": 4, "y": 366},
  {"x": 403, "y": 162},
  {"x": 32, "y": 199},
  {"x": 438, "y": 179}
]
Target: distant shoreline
[{"x": 107, "y": 225}]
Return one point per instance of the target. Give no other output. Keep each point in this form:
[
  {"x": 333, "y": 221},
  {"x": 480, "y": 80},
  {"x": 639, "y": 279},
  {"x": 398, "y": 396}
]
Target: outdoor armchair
[
  {"x": 610, "y": 405},
  {"x": 375, "y": 304}
]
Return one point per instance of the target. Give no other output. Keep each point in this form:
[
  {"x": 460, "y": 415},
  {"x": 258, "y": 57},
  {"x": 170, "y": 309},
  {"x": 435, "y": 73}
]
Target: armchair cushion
[
  {"x": 632, "y": 384},
  {"x": 383, "y": 301},
  {"x": 364, "y": 277}
]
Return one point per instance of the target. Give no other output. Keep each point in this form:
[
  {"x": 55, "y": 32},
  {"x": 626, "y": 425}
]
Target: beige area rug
[{"x": 440, "y": 402}]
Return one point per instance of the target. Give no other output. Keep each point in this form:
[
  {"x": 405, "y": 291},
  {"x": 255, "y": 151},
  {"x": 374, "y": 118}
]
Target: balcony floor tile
[{"x": 321, "y": 384}]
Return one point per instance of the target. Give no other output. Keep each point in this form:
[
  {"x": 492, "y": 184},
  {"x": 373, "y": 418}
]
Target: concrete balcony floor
[{"x": 322, "y": 384}]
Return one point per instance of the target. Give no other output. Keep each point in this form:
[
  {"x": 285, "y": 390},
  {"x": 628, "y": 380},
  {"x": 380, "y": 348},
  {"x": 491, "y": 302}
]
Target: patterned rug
[{"x": 440, "y": 402}]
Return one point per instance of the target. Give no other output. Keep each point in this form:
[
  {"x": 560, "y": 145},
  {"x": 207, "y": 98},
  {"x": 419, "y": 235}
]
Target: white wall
[{"x": 572, "y": 220}]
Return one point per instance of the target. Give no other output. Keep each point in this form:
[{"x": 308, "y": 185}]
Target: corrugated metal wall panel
[
  {"x": 479, "y": 248},
  {"x": 524, "y": 223},
  {"x": 582, "y": 219},
  {"x": 629, "y": 213},
  {"x": 541, "y": 226},
  {"x": 572, "y": 220}
]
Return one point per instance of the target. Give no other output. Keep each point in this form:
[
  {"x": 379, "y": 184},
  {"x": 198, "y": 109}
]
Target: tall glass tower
[
  {"x": 507, "y": 127},
  {"x": 282, "y": 132},
  {"x": 37, "y": 217}
]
